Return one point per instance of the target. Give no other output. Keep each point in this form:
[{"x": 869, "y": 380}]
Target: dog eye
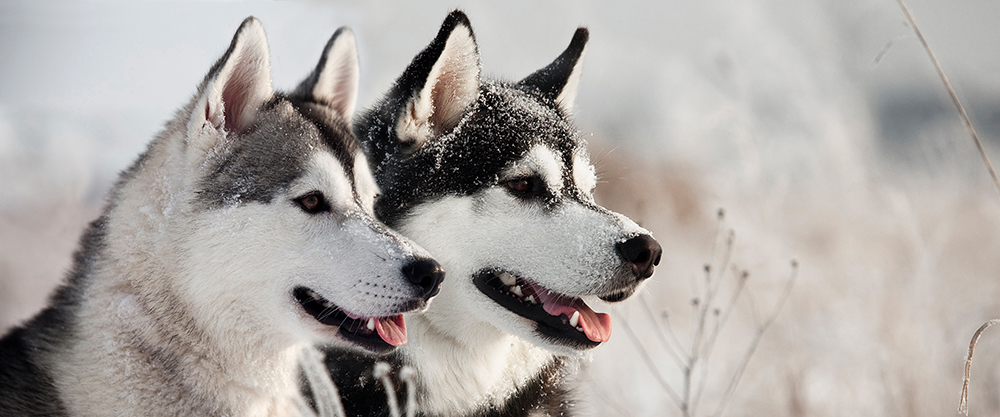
[
  {"x": 525, "y": 187},
  {"x": 313, "y": 202}
]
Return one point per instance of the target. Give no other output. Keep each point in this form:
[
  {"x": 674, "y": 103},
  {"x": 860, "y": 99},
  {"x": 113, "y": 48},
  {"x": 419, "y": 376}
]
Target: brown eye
[
  {"x": 526, "y": 187},
  {"x": 520, "y": 185},
  {"x": 313, "y": 203}
]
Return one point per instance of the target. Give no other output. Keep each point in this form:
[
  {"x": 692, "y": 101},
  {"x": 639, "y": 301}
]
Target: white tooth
[
  {"x": 517, "y": 290},
  {"x": 371, "y": 324},
  {"x": 531, "y": 299},
  {"x": 507, "y": 279},
  {"x": 573, "y": 321}
]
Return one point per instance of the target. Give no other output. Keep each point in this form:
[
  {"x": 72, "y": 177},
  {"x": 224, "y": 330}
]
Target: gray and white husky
[
  {"x": 494, "y": 180},
  {"x": 243, "y": 234}
]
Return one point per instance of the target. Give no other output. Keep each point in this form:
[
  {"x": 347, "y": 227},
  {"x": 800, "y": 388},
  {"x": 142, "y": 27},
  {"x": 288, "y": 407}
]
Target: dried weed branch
[
  {"x": 711, "y": 313},
  {"x": 381, "y": 372},
  {"x": 756, "y": 340},
  {"x": 963, "y": 407},
  {"x": 651, "y": 364},
  {"x": 326, "y": 398},
  {"x": 409, "y": 376},
  {"x": 954, "y": 97}
]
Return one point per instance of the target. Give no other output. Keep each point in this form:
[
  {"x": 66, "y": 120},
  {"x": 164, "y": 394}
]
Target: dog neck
[{"x": 459, "y": 378}]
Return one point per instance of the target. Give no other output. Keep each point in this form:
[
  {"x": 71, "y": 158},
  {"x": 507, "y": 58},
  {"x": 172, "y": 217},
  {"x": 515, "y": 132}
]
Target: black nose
[
  {"x": 425, "y": 273},
  {"x": 643, "y": 253}
]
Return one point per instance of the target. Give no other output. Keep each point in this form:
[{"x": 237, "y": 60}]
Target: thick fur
[
  {"x": 489, "y": 176},
  {"x": 180, "y": 301}
]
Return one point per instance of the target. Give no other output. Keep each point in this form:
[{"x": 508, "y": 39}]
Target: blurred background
[{"x": 820, "y": 128}]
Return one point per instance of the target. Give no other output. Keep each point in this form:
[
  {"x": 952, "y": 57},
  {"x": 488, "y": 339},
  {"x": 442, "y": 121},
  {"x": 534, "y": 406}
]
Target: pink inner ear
[
  {"x": 457, "y": 83},
  {"x": 342, "y": 96},
  {"x": 236, "y": 96}
]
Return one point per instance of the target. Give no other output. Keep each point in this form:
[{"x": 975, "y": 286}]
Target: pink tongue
[
  {"x": 391, "y": 329},
  {"x": 597, "y": 326}
]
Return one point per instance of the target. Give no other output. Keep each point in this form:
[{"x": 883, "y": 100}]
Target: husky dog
[
  {"x": 244, "y": 233},
  {"x": 493, "y": 179}
]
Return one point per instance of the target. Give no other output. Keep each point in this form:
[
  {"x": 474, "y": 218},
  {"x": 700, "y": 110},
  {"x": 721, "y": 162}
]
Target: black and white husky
[
  {"x": 493, "y": 179},
  {"x": 243, "y": 234}
]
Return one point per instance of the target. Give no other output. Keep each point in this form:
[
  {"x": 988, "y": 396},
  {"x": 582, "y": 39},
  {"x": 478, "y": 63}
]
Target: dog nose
[
  {"x": 642, "y": 253},
  {"x": 425, "y": 273}
]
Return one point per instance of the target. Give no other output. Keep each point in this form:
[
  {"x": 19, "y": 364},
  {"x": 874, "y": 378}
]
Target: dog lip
[
  {"x": 617, "y": 296},
  {"x": 554, "y": 328},
  {"x": 383, "y": 336}
]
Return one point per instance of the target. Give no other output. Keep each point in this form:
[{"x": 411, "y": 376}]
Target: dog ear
[
  {"x": 440, "y": 84},
  {"x": 559, "y": 80},
  {"x": 234, "y": 89},
  {"x": 334, "y": 82}
]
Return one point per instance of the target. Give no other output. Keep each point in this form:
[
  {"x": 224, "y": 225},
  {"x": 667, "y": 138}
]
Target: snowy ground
[{"x": 820, "y": 144}]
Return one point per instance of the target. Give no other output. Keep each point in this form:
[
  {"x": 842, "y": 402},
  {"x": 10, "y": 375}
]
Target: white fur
[
  {"x": 232, "y": 272},
  {"x": 188, "y": 310},
  {"x": 567, "y": 95},
  {"x": 469, "y": 349},
  {"x": 541, "y": 161},
  {"x": 583, "y": 173},
  {"x": 367, "y": 189}
]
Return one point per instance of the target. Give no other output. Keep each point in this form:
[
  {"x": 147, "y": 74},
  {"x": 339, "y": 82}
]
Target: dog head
[
  {"x": 493, "y": 179},
  {"x": 270, "y": 201}
]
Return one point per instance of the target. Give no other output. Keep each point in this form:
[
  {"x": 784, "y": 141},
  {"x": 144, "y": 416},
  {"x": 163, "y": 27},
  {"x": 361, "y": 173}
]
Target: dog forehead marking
[
  {"x": 330, "y": 177},
  {"x": 364, "y": 182},
  {"x": 583, "y": 172},
  {"x": 542, "y": 161}
]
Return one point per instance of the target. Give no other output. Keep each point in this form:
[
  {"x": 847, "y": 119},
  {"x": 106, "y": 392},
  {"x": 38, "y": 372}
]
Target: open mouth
[
  {"x": 377, "y": 334},
  {"x": 563, "y": 318}
]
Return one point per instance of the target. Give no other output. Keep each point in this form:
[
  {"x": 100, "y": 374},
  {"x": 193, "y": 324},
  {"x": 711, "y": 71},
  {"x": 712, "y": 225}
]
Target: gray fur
[{"x": 180, "y": 301}]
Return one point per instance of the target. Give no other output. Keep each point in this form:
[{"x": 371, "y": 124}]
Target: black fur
[
  {"x": 502, "y": 125},
  {"x": 363, "y": 395},
  {"x": 551, "y": 80}
]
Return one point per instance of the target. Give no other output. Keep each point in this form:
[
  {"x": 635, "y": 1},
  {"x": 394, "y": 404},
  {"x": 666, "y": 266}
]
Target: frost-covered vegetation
[{"x": 820, "y": 128}]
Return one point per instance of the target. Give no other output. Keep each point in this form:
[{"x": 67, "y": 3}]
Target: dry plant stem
[
  {"x": 652, "y": 365},
  {"x": 381, "y": 372},
  {"x": 954, "y": 97},
  {"x": 697, "y": 342},
  {"x": 662, "y": 335},
  {"x": 727, "y": 310},
  {"x": 408, "y": 375},
  {"x": 325, "y": 394},
  {"x": 963, "y": 407},
  {"x": 694, "y": 364},
  {"x": 719, "y": 324},
  {"x": 756, "y": 341}
]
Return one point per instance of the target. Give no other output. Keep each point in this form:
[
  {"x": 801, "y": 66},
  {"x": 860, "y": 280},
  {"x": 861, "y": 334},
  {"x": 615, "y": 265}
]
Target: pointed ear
[
  {"x": 236, "y": 86},
  {"x": 440, "y": 84},
  {"x": 559, "y": 80},
  {"x": 334, "y": 82}
]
